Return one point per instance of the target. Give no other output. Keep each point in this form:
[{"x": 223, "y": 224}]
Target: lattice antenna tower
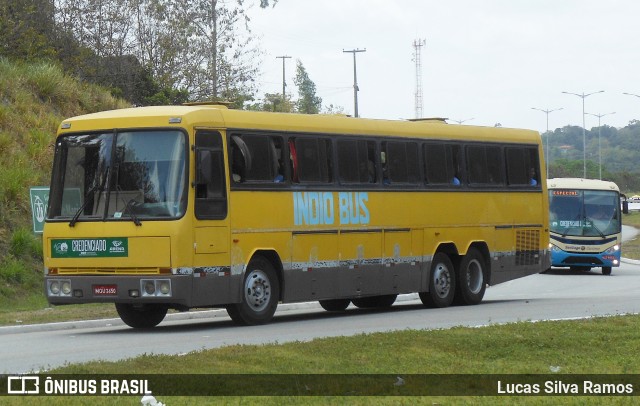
[{"x": 417, "y": 47}]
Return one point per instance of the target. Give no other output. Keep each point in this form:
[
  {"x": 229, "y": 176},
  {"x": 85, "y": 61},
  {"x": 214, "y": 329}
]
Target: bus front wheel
[
  {"x": 442, "y": 282},
  {"x": 260, "y": 294},
  {"x": 141, "y": 316},
  {"x": 606, "y": 270}
]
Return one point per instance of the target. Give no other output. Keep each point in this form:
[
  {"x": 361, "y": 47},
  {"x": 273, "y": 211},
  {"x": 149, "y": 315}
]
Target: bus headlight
[
  {"x": 165, "y": 288},
  {"x": 54, "y": 287},
  {"x": 59, "y": 287},
  {"x": 155, "y": 287},
  {"x": 613, "y": 249},
  {"x": 149, "y": 288}
]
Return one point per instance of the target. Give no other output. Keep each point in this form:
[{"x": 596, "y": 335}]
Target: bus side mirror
[
  {"x": 204, "y": 166},
  {"x": 625, "y": 207}
]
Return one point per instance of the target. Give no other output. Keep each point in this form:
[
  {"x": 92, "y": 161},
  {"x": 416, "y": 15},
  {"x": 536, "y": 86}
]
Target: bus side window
[
  {"x": 240, "y": 159},
  {"x": 310, "y": 160},
  {"x": 442, "y": 164},
  {"x": 521, "y": 166},
  {"x": 210, "y": 184},
  {"x": 485, "y": 165},
  {"x": 356, "y": 161},
  {"x": 402, "y": 162},
  {"x": 258, "y": 160}
]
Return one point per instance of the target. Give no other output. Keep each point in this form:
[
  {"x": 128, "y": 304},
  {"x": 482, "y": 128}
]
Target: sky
[{"x": 483, "y": 61}]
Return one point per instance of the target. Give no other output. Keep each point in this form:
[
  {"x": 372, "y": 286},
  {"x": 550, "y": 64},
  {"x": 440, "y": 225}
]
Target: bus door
[{"x": 211, "y": 271}]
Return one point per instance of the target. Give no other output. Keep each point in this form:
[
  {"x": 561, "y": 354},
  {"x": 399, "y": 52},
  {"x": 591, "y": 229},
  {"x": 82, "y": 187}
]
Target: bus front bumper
[{"x": 76, "y": 289}]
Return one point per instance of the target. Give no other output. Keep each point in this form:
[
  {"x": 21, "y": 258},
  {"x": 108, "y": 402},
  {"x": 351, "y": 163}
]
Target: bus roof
[
  {"x": 219, "y": 116},
  {"x": 580, "y": 183}
]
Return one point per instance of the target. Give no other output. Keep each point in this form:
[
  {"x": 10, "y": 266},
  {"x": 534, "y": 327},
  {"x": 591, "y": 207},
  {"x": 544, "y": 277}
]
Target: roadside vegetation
[
  {"x": 34, "y": 99},
  {"x": 604, "y": 345}
]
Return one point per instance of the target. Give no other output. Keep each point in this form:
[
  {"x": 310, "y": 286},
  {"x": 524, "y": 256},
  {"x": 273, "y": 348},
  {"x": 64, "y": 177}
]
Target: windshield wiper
[
  {"x": 95, "y": 187},
  {"x": 128, "y": 207},
  {"x": 593, "y": 224}
]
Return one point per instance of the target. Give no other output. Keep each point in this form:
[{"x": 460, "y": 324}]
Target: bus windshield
[
  {"x": 132, "y": 176},
  {"x": 584, "y": 213}
]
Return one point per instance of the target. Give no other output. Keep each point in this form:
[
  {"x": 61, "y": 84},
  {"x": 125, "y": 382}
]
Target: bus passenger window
[
  {"x": 442, "y": 164},
  {"x": 521, "y": 166},
  {"x": 257, "y": 158},
  {"x": 310, "y": 160},
  {"x": 401, "y": 162},
  {"x": 484, "y": 163},
  {"x": 356, "y": 161}
]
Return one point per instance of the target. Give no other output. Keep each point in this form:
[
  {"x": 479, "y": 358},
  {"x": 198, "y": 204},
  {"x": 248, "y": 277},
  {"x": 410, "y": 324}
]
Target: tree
[
  {"x": 202, "y": 46},
  {"x": 308, "y": 102},
  {"x": 272, "y": 102},
  {"x": 27, "y": 29}
]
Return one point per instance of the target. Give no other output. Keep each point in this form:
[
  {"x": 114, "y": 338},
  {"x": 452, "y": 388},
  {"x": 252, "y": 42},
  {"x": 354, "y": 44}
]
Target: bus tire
[
  {"x": 471, "y": 278},
  {"x": 442, "y": 282},
  {"x": 335, "y": 305},
  {"x": 374, "y": 301},
  {"x": 606, "y": 270},
  {"x": 260, "y": 294},
  {"x": 144, "y": 316}
]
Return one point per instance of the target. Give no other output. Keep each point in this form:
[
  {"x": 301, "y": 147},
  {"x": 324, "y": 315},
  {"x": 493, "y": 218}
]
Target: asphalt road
[{"x": 558, "y": 294}]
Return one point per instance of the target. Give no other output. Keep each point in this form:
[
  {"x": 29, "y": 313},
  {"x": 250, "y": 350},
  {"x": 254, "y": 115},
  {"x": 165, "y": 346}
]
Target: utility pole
[
  {"x": 355, "y": 79},
  {"x": 417, "y": 44},
  {"x": 284, "y": 84}
]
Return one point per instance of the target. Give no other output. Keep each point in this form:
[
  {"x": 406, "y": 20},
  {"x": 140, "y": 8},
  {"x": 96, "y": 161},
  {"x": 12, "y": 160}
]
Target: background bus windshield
[{"x": 584, "y": 212}]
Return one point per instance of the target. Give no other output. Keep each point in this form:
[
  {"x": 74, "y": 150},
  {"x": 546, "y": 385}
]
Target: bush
[{"x": 25, "y": 245}]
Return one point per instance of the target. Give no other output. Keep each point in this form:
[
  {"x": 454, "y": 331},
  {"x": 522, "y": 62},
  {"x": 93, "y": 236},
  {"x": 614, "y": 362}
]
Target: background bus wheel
[
  {"x": 260, "y": 294},
  {"x": 335, "y": 305},
  {"x": 471, "y": 282},
  {"x": 141, "y": 316},
  {"x": 442, "y": 282},
  {"x": 374, "y": 301},
  {"x": 606, "y": 270}
]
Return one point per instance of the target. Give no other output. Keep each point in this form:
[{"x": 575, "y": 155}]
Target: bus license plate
[{"x": 105, "y": 290}]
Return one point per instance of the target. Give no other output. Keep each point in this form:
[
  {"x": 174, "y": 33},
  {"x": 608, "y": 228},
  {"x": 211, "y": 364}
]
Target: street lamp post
[
  {"x": 547, "y": 154},
  {"x": 584, "y": 134},
  {"x": 599, "y": 145},
  {"x": 462, "y": 121}
]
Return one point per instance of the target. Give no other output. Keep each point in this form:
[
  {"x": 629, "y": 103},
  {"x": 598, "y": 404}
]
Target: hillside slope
[{"x": 34, "y": 99}]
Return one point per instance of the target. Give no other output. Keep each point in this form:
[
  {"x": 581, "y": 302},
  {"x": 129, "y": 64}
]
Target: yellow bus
[{"x": 181, "y": 207}]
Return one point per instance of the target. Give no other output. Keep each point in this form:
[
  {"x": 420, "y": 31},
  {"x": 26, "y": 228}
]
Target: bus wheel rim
[
  {"x": 475, "y": 278},
  {"x": 258, "y": 290},
  {"x": 442, "y": 281}
]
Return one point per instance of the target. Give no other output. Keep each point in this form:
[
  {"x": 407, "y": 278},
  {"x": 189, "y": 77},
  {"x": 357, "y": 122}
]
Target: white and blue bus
[{"x": 585, "y": 224}]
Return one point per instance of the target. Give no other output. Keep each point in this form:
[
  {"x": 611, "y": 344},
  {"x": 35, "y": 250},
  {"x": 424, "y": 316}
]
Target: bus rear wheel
[
  {"x": 606, "y": 270},
  {"x": 260, "y": 294},
  {"x": 141, "y": 316},
  {"x": 471, "y": 279},
  {"x": 442, "y": 282},
  {"x": 335, "y": 305}
]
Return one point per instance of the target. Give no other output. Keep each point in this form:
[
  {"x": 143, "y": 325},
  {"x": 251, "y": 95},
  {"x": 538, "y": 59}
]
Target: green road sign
[{"x": 39, "y": 201}]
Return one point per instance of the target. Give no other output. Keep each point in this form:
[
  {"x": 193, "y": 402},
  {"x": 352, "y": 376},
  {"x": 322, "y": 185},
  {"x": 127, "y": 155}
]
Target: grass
[
  {"x": 631, "y": 248},
  {"x": 34, "y": 99},
  {"x": 556, "y": 349}
]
